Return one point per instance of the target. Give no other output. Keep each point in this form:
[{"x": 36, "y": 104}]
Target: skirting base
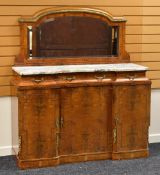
[{"x": 46, "y": 162}]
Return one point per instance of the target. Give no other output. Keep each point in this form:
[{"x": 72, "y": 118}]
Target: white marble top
[{"x": 36, "y": 70}]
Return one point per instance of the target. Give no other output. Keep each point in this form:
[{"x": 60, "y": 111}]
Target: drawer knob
[
  {"x": 100, "y": 77},
  {"x": 131, "y": 77},
  {"x": 38, "y": 80},
  {"x": 70, "y": 78}
]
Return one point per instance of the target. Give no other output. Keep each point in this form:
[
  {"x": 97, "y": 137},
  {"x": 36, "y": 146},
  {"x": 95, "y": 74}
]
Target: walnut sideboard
[{"x": 78, "y": 113}]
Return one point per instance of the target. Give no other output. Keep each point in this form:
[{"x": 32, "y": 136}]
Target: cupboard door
[
  {"x": 131, "y": 117},
  {"x": 38, "y": 111},
  {"x": 86, "y": 115}
]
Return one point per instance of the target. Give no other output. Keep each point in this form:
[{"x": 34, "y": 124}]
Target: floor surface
[{"x": 144, "y": 166}]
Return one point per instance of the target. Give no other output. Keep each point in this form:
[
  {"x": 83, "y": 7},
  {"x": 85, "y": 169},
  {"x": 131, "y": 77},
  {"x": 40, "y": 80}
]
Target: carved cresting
[{"x": 41, "y": 14}]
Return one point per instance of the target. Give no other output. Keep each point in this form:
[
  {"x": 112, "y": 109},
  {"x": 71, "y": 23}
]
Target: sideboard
[
  {"x": 75, "y": 94},
  {"x": 81, "y": 112}
]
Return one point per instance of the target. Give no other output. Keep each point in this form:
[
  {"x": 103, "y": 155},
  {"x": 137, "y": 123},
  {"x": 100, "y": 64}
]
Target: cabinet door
[
  {"x": 38, "y": 110},
  {"x": 86, "y": 115},
  {"x": 131, "y": 117}
]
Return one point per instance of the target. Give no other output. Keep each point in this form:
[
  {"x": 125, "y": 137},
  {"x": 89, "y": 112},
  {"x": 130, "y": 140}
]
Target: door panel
[
  {"x": 86, "y": 112},
  {"x": 39, "y": 109},
  {"x": 131, "y": 116}
]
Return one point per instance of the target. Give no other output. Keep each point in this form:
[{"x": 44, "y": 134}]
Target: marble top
[{"x": 36, "y": 70}]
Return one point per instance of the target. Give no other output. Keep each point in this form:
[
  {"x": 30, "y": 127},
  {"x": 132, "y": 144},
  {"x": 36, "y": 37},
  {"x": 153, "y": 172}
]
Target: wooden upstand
[{"x": 85, "y": 109}]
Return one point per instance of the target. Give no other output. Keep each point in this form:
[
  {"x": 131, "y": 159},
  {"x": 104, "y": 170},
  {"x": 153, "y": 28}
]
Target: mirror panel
[{"x": 72, "y": 36}]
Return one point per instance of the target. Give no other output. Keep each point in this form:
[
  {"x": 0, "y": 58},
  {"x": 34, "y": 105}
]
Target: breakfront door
[
  {"x": 86, "y": 120},
  {"x": 39, "y": 109},
  {"x": 131, "y": 116}
]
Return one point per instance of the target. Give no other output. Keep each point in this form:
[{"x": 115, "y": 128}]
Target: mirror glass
[{"x": 72, "y": 36}]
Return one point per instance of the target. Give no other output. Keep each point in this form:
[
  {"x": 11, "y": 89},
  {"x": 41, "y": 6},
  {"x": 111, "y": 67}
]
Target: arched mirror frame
[{"x": 39, "y": 18}]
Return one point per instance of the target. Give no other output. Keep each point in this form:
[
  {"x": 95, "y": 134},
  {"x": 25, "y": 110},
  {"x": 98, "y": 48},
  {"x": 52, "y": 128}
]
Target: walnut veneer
[{"x": 72, "y": 117}]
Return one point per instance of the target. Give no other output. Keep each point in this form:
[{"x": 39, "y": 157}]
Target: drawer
[
  {"x": 85, "y": 76},
  {"x": 71, "y": 77},
  {"x": 130, "y": 75}
]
